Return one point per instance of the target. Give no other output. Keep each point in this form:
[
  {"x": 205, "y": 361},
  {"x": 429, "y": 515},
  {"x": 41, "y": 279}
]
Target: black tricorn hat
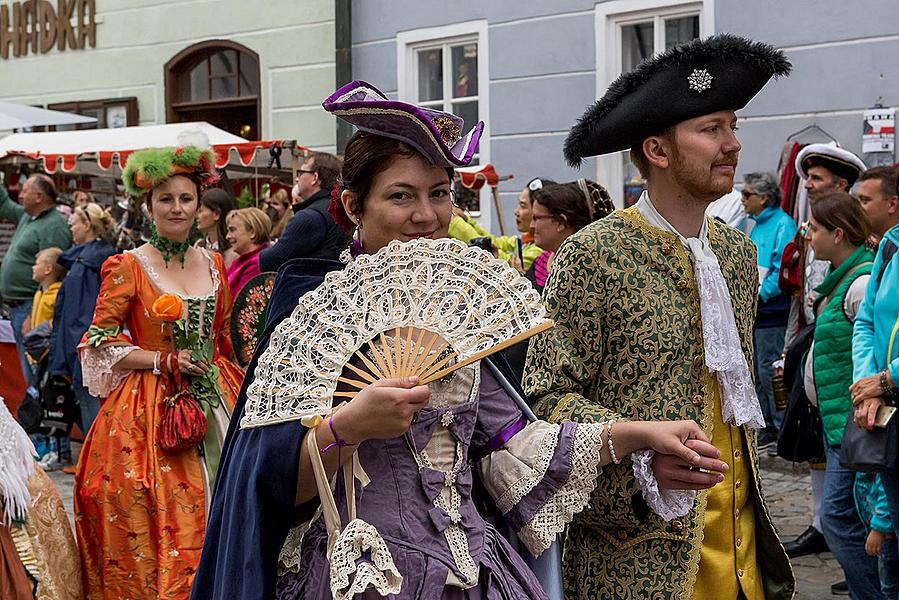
[{"x": 722, "y": 72}]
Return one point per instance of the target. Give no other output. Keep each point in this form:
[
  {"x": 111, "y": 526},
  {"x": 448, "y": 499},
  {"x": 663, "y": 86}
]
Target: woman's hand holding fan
[{"x": 383, "y": 410}]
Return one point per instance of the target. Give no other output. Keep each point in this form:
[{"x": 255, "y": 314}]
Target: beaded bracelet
[
  {"x": 614, "y": 456},
  {"x": 889, "y": 392}
]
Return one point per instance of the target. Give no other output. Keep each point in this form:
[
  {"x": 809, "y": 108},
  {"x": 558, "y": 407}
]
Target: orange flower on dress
[{"x": 168, "y": 307}]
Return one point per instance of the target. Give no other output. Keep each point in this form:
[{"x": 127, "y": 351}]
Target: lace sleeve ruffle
[
  {"x": 98, "y": 367},
  {"x": 291, "y": 555},
  {"x": 668, "y": 504},
  {"x": 544, "y": 476}
]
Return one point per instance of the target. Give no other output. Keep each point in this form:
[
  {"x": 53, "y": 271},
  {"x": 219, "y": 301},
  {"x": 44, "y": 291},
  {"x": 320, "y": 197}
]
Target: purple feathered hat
[{"x": 436, "y": 134}]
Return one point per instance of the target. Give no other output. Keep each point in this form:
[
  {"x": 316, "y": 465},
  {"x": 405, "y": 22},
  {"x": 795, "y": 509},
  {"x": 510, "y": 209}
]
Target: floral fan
[
  {"x": 248, "y": 315},
  {"x": 424, "y": 308}
]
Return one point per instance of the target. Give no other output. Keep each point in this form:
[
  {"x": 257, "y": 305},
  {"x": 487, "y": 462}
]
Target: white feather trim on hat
[
  {"x": 16, "y": 466},
  {"x": 193, "y": 137}
]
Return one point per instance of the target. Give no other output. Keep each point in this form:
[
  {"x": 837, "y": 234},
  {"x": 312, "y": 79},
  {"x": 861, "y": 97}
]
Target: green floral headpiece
[{"x": 149, "y": 168}]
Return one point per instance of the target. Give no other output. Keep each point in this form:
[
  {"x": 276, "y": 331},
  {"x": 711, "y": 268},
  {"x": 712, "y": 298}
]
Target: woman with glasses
[
  {"x": 560, "y": 210},
  {"x": 773, "y": 229},
  {"x": 520, "y": 251}
]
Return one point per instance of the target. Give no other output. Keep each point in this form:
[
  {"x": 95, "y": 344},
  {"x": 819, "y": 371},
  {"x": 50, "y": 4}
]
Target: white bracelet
[
  {"x": 615, "y": 458},
  {"x": 156, "y": 370}
]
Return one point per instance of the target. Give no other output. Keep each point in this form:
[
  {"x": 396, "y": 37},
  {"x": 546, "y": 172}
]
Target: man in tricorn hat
[{"x": 654, "y": 308}]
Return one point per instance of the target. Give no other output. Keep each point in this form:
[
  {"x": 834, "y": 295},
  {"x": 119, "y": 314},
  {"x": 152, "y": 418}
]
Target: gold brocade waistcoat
[
  {"x": 727, "y": 560},
  {"x": 628, "y": 344}
]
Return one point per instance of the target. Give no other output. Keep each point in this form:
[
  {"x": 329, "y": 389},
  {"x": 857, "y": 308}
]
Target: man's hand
[
  {"x": 674, "y": 473},
  {"x": 874, "y": 543}
]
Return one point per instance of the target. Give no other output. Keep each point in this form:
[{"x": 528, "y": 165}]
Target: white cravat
[{"x": 723, "y": 352}]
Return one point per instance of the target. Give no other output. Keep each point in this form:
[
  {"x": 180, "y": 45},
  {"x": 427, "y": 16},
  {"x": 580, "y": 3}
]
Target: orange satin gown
[{"x": 141, "y": 513}]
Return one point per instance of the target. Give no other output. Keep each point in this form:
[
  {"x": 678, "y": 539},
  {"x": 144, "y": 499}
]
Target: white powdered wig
[
  {"x": 17, "y": 456},
  {"x": 193, "y": 137}
]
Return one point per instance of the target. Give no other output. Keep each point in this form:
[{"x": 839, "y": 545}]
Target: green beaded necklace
[{"x": 167, "y": 247}]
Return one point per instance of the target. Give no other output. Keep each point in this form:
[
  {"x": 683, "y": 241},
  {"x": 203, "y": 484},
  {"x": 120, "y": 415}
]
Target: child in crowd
[
  {"x": 871, "y": 503},
  {"x": 48, "y": 273}
]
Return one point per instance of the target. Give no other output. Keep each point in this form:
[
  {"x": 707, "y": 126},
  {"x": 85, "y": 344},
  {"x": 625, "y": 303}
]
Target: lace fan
[{"x": 425, "y": 308}]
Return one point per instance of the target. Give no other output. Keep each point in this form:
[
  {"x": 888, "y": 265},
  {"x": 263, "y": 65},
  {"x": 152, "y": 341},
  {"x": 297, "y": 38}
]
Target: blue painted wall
[{"x": 542, "y": 71}]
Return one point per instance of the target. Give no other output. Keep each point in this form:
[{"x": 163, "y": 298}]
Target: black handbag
[
  {"x": 30, "y": 413},
  {"x": 801, "y": 435},
  {"x": 872, "y": 451},
  {"x": 60, "y": 409}
]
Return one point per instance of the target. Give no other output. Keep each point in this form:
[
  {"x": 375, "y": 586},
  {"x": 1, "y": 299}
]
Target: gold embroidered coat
[{"x": 628, "y": 345}]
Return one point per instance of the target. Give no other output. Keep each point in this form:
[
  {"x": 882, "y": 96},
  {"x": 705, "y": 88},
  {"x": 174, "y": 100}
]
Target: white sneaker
[{"x": 49, "y": 462}]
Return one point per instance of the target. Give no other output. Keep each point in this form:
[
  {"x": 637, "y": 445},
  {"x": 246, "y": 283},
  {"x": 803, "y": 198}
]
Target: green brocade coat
[{"x": 628, "y": 345}]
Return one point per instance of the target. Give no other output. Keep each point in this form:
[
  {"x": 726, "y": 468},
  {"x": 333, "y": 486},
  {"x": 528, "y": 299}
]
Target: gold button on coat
[{"x": 698, "y": 400}]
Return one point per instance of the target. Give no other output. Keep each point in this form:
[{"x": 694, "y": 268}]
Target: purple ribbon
[{"x": 499, "y": 440}]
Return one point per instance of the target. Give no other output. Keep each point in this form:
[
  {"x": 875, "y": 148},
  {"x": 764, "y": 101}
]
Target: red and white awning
[
  {"x": 63, "y": 149},
  {"x": 474, "y": 178}
]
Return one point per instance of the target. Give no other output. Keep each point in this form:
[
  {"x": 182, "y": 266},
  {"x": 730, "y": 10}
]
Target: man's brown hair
[
  {"x": 887, "y": 177},
  {"x": 327, "y": 167}
]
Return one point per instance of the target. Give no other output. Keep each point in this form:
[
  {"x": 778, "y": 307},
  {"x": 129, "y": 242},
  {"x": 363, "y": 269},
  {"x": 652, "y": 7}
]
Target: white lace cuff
[
  {"x": 360, "y": 559},
  {"x": 552, "y": 518},
  {"x": 511, "y": 472},
  {"x": 98, "y": 367},
  {"x": 668, "y": 504}
]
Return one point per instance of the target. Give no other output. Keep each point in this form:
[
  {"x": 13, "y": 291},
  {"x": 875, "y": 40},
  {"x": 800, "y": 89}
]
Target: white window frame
[
  {"x": 609, "y": 19},
  {"x": 409, "y": 42}
]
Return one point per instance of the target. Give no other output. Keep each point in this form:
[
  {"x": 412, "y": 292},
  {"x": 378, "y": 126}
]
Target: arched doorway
[{"x": 215, "y": 81}]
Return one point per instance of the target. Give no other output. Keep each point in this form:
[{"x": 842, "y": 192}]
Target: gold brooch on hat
[{"x": 448, "y": 130}]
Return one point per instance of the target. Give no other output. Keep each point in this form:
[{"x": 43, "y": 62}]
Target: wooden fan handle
[{"x": 487, "y": 352}]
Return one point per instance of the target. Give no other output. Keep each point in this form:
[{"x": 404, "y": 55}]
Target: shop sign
[
  {"x": 38, "y": 26},
  {"x": 879, "y": 134}
]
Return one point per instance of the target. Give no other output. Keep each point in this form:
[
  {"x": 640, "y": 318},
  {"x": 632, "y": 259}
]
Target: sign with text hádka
[{"x": 38, "y": 26}]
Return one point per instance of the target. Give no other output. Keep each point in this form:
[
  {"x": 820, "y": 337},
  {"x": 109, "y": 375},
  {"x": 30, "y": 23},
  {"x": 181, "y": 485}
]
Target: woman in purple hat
[{"x": 265, "y": 535}]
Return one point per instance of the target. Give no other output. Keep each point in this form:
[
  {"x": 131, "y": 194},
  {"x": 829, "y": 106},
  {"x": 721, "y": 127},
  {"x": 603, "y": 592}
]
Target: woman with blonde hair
[
  {"x": 248, "y": 233},
  {"x": 91, "y": 227}
]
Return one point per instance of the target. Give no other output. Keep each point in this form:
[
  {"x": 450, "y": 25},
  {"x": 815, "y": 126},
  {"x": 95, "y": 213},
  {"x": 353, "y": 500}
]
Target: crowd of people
[{"x": 614, "y": 455}]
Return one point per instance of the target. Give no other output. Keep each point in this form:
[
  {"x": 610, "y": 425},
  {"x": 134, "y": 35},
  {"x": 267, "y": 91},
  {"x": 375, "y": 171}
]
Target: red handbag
[{"x": 183, "y": 424}]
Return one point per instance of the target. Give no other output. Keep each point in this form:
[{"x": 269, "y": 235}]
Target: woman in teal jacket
[
  {"x": 773, "y": 229},
  {"x": 875, "y": 351},
  {"x": 838, "y": 229}
]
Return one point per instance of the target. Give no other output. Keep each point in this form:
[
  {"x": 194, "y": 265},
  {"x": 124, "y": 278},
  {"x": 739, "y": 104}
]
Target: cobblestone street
[{"x": 789, "y": 498}]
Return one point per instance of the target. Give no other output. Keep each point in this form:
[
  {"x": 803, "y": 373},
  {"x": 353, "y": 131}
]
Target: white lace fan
[{"x": 425, "y": 308}]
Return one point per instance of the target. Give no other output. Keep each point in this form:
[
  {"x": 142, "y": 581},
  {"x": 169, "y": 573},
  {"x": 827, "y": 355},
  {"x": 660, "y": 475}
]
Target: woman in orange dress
[{"x": 140, "y": 510}]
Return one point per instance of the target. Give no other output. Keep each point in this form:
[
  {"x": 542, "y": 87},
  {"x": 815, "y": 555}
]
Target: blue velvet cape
[{"x": 254, "y": 502}]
